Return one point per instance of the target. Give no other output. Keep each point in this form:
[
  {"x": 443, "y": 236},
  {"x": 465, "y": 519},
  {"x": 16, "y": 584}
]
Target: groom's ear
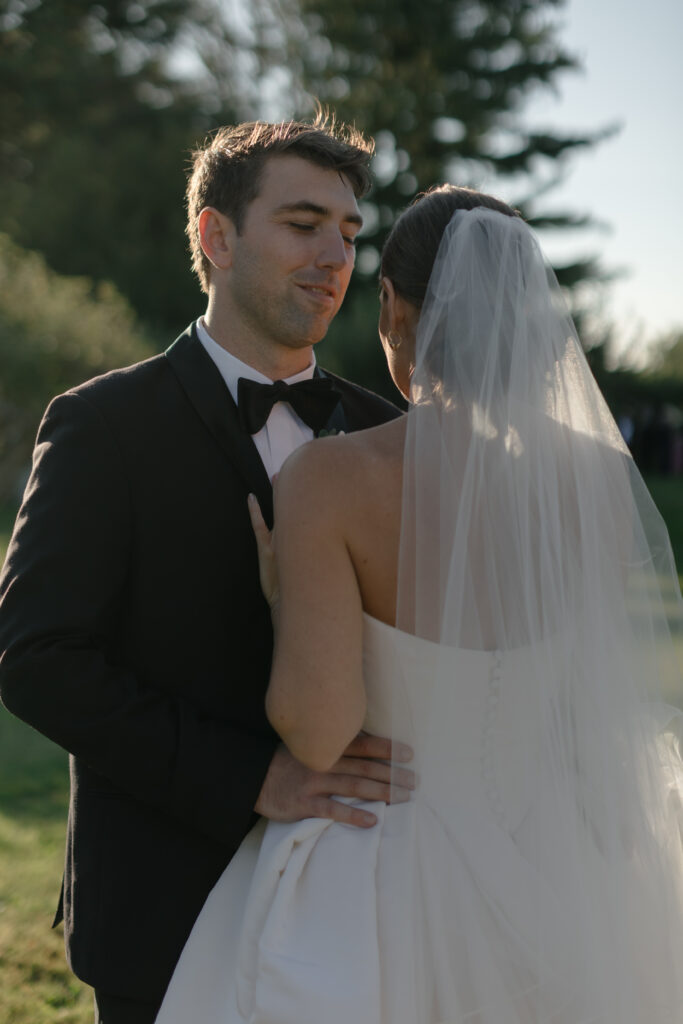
[{"x": 216, "y": 234}]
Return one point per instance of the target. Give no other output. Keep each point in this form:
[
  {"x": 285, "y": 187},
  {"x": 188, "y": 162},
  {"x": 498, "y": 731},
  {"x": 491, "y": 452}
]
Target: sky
[{"x": 631, "y": 52}]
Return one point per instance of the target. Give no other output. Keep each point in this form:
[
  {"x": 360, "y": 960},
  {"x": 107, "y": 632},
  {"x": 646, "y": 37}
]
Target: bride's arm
[{"x": 316, "y": 698}]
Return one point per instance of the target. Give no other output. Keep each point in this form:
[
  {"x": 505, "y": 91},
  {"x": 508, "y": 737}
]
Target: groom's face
[{"x": 293, "y": 259}]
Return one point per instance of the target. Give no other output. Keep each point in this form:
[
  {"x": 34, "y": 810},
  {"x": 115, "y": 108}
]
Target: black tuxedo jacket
[{"x": 134, "y": 634}]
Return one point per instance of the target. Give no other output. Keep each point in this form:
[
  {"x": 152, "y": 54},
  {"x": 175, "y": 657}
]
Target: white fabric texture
[{"x": 284, "y": 430}]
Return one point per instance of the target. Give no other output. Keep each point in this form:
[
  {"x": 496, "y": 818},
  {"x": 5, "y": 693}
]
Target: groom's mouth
[{"x": 322, "y": 295}]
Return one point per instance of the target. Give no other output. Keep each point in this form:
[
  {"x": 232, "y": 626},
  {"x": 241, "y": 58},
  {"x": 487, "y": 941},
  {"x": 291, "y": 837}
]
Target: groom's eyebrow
[{"x": 304, "y": 206}]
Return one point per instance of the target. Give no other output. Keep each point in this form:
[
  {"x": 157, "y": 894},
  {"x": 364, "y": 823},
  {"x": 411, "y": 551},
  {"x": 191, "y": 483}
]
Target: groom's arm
[{"x": 61, "y": 595}]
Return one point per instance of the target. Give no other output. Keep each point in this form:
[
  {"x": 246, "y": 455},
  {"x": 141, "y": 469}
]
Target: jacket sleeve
[{"x": 60, "y": 595}]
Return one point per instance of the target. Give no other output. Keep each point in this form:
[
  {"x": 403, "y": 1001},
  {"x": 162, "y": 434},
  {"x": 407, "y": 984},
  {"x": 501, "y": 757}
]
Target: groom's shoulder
[
  {"x": 124, "y": 379},
  {"x": 142, "y": 382},
  {"x": 119, "y": 395},
  {"x": 368, "y": 406}
]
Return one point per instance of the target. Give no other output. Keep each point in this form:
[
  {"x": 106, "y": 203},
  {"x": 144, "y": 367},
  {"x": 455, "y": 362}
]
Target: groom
[{"x": 132, "y": 628}]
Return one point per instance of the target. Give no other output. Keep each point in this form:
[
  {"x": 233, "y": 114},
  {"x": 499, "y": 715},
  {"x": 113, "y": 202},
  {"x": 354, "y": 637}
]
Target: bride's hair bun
[{"x": 410, "y": 250}]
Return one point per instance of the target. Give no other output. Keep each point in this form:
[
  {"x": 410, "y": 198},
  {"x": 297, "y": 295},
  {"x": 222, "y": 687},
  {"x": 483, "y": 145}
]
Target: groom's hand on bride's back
[{"x": 291, "y": 791}]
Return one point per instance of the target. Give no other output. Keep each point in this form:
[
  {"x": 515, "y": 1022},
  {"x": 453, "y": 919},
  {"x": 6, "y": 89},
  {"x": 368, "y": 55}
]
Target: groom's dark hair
[{"x": 226, "y": 170}]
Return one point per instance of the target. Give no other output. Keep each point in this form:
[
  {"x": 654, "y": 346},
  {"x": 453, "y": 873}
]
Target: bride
[{"x": 486, "y": 579}]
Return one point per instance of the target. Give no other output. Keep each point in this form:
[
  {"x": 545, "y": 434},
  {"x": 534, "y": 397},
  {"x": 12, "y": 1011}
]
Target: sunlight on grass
[{"x": 36, "y": 986}]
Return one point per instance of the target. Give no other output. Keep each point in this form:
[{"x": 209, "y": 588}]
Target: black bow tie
[{"x": 313, "y": 400}]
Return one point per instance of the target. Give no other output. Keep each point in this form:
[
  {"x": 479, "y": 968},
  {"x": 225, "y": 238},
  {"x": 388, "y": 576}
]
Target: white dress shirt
[{"x": 284, "y": 431}]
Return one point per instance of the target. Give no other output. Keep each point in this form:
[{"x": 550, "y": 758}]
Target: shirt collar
[{"x": 231, "y": 368}]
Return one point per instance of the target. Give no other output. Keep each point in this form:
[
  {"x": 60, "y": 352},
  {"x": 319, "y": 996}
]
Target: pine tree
[
  {"x": 441, "y": 85},
  {"x": 99, "y": 105}
]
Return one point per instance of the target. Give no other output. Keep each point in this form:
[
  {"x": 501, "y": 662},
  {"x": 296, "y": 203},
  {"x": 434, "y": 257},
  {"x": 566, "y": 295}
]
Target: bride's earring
[{"x": 394, "y": 343}]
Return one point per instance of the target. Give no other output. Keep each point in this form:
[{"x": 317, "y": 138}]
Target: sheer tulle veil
[{"x": 528, "y": 532}]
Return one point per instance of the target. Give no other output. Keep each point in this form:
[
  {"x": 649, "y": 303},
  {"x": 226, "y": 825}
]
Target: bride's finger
[
  {"x": 378, "y": 747},
  {"x": 376, "y": 771},
  {"x": 258, "y": 523},
  {"x": 266, "y": 552}
]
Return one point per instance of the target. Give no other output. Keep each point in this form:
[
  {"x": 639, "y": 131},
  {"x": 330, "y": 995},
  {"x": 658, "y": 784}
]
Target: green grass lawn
[{"x": 36, "y": 987}]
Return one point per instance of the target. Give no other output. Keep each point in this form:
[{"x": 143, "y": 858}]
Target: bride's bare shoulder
[{"x": 341, "y": 468}]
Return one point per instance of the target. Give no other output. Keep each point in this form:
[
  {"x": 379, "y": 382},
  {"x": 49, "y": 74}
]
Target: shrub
[{"x": 55, "y": 332}]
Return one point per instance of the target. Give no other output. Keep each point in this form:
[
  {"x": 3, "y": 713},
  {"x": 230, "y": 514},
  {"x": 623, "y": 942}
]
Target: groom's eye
[{"x": 301, "y": 227}]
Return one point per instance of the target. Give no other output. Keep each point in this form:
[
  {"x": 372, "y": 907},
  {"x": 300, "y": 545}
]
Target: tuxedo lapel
[
  {"x": 213, "y": 403},
  {"x": 337, "y": 423}
]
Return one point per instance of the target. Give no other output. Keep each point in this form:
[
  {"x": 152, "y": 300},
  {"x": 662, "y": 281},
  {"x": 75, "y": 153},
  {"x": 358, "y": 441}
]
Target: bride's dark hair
[{"x": 410, "y": 250}]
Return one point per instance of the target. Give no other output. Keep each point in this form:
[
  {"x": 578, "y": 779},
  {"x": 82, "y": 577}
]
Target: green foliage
[
  {"x": 95, "y": 127},
  {"x": 55, "y": 332},
  {"x": 352, "y": 347},
  {"x": 667, "y": 357},
  {"x": 629, "y": 390},
  {"x": 101, "y": 102},
  {"x": 440, "y": 84},
  {"x": 667, "y": 493}
]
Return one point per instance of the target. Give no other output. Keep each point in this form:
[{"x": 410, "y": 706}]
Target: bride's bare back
[{"x": 371, "y": 473}]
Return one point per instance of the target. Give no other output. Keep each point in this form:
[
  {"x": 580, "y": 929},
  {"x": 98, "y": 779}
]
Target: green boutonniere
[{"x": 330, "y": 433}]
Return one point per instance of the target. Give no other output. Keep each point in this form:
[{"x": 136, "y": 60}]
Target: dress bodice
[{"x": 472, "y": 716}]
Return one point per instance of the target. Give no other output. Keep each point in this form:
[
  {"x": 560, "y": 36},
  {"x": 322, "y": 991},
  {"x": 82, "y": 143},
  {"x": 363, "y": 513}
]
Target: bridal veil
[{"x": 528, "y": 537}]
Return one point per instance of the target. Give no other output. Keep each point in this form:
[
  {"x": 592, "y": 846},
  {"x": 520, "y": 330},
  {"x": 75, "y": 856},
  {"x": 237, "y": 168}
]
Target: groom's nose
[{"x": 334, "y": 252}]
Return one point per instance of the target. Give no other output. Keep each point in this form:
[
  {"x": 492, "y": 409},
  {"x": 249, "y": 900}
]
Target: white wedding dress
[{"x": 305, "y": 925}]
